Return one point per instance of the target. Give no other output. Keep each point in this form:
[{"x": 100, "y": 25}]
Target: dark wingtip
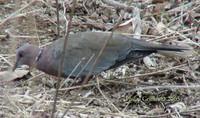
[{"x": 173, "y": 48}]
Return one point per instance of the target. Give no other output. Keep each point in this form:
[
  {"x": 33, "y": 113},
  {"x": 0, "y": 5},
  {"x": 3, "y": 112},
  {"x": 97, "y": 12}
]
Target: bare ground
[{"x": 170, "y": 88}]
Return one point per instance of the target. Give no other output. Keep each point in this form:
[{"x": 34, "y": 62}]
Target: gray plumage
[{"x": 82, "y": 49}]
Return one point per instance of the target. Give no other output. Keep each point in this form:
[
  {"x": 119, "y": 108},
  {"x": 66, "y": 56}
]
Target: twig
[
  {"x": 180, "y": 8},
  {"x": 161, "y": 87},
  {"x": 187, "y": 39},
  {"x": 16, "y": 12},
  {"x": 153, "y": 73},
  {"x": 167, "y": 35},
  {"x": 74, "y": 69},
  {"x": 98, "y": 86},
  {"x": 36, "y": 76},
  {"x": 98, "y": 56},
  {"x": 63, "y": 50},
  {"x": 118, "y": 5},
  {"x": 101, "y": 51},
  {"x": 159, "y": 71},
  {"x": 6, "y": 60},
  {"x": 60, "y": 64},
  {"x": 96, "y": 25},
  {"x": 21, "y": 36},
  {"x": 76, "y": 87}
]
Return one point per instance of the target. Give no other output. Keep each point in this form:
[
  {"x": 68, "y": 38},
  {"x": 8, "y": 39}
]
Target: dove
[{"x": 82, "y": 50}]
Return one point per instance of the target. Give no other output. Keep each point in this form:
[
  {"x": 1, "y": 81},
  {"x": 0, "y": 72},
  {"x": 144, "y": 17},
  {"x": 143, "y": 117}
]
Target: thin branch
[
  {"x": 21, "y": 36},
  {"x": 102, "y": 50},
  {"x": 62, "y": 58},
  {"x": 196, "y": 86},
  {"x": 98, "y": 86},
  {"x": 63, "y": 50},
  {"x": 118, "y": 5},
  {"x": 6, "y": 60},
  {"x": 159, "y": 71},
  {"x": 16, "y": 12}
]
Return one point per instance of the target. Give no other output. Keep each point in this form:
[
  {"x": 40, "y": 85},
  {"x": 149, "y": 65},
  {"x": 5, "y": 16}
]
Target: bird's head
[{"x": 26, "y": 55}]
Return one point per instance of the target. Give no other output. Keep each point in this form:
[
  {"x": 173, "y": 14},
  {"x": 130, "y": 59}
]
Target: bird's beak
[{"x": 16, "y": 65}]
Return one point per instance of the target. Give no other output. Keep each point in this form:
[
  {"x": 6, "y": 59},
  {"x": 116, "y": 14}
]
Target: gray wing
[{"x": 83, "y": 48}]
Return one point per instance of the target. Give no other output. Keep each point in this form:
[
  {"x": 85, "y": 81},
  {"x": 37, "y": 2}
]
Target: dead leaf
[
  {"x": 7, "y": 76},
  {"x": 132, "y": 26},
  {"x": 179, "y": 106},
  {"x": 149, "y": 62},
  {"x": 40, "y": 114},
  {"x": 161, "y": 28},
  {"x": 125, "y": 27}
]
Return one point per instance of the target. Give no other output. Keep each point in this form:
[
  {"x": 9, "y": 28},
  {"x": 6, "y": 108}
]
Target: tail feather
[
  {"x": 174, "y": 51},
  {"x": 168, "y": 50},
  {"x": 163, "y": 47}
]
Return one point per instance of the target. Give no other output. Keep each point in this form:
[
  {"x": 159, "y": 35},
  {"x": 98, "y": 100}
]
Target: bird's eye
[{"x": 20, "y": 55}]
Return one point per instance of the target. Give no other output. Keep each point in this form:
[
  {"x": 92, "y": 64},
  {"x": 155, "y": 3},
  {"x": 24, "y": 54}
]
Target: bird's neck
[
  {"x": 45, "y": 61},
  {"x": 40, "y": 58},
  {"x": 39, "y": 54}
]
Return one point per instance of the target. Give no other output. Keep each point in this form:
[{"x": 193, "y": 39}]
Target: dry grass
[{"x": 169, "y": 89}]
